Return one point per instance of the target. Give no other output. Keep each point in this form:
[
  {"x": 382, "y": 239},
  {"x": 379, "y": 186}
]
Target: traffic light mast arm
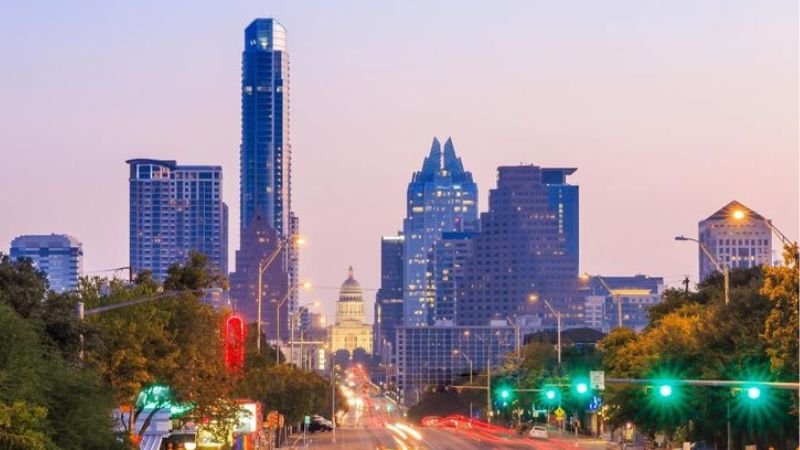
[
  {"x": 80, "y": 312},
  {"x": 731, "y": 383}
]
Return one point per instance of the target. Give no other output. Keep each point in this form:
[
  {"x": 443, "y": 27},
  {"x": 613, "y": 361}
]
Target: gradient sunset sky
[{"x": 669, "y": 109}]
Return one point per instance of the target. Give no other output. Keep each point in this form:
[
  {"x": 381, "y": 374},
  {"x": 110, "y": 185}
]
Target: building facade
[
  {"x": 350, "y": 332},
  {"x": 174, "y": 210},
  {"x": 265, "y": 161},
  {"x": 737, "y": 237},
  {"x": 389, "y": 298},
  {"x": 563, "y": 199},
  {"x": 444, "y": 355},
  {"x": 447, "y": 266},
  {"x": 441, "y": 197},
  {"x": 629, "y": 298},
  {"x": 59, "y": 256},
  {"x": 520, "y": 255}
]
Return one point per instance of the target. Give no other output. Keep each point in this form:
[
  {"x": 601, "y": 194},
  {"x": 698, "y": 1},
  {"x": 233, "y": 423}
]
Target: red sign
[{"x": 234, "y": 344}]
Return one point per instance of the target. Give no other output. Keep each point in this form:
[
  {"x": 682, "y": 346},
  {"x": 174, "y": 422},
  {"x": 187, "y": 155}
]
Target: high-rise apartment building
[
  {"x": 441, "y": 197},
  {"x": 266, "y": 157},
  {"x": 389, "y": 298},
  {"x": 175, "y": 209},
  {"x": 737, "y": 237},
  {"x": 59, "y": 256},
  {"x": 519, "y": 255}
]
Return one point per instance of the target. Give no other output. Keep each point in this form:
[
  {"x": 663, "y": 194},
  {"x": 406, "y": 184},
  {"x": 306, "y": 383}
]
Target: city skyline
[{"x": 657, "y": 136}]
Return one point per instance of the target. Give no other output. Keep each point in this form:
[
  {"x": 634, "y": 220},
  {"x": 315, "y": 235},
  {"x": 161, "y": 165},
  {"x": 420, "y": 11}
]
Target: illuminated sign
[{"x": 234, "y": 344}]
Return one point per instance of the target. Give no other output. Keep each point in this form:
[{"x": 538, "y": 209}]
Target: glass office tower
[
  {"x": 441, "y": 197},
  {"x": 265, "y": 160}
]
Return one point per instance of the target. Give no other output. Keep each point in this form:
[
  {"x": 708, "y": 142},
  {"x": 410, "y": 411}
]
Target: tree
[
  {"x": 44, "y": 401},
  {"x": 21, "y": 286},
  {"x": 174, "y": 340},
  {"x": 780, "y": 332}
]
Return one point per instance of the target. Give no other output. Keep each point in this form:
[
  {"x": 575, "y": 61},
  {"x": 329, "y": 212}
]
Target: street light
[
  {"x": 278, "y": 305},
  {"x": 739, "y": 214},
  {"x": 263, "y": 265},
  {"x": 724, "y": 269},
  {"x": 488, "y": 374},
  {"x": 294, "y": 318},
  {"x": 534, "y": 298},
  {"x": 517, "y": 346},
  {"x": 458, "y": 352}
]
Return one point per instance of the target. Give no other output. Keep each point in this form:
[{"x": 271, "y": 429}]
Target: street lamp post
[
  {"x": 614, "y": 293},
  {"x": 278, "y": 305},
  {"x": 534, "y": 298},
  {"x": 470, "y": 375},
  {"x": 263, "y": 265},
  {"x": 293, "y": 323},
  {"x": 517, "y": 346},
  {"x": 488, "y": 375},
  {"x": 724, "y": 269}
]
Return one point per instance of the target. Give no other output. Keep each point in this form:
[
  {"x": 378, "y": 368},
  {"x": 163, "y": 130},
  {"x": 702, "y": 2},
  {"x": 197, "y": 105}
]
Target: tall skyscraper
[
  {"x": 265, "y": 156},
  {"x": 519, "y": 254},
  {"x": 737, "y": 236},
  {"x": 389, "y": 298},
  {"x": 441, "y": 197},
  {"x": 266, "y": 160},
  {"x": 174, "y": 210},
  {"x": 59, "y": 256}
]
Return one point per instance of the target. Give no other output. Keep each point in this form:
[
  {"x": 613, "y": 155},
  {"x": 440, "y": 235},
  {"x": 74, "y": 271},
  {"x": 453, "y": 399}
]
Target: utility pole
[
  {"x": 489, "y": 381},
  {"x": 686, "y": 285}
]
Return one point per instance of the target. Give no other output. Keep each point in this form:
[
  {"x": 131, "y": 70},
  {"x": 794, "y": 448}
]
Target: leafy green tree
[
  {"x": 44, "y": 401},
  {"x": 21, "y": 286},
  {"x": 781, "y": 287}
]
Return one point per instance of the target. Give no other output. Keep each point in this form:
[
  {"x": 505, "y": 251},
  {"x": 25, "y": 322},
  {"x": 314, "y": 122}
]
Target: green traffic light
[
  {"x": 504, "y": 393},
  {"x": 753, "y": 393},
  {"x": 665, "y": 390},
  {"x": 550, "y": 394},
  {"x": 582, "y": 388}
]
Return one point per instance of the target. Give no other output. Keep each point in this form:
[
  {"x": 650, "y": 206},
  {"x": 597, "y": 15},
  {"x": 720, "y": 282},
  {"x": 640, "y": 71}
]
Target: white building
[
  {"x": 737, "y": 236},
  {"x": 350, "y": 332}
]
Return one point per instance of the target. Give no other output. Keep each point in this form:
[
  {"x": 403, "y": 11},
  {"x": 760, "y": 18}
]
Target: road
[{"x": 374, "y": 422}]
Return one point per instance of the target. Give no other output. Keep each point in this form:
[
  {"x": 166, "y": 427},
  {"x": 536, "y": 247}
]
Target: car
[
  {"x": 318, "y": 423},
  {"x": 538, "y": 432},
  {"x": 701, "y": 445}
]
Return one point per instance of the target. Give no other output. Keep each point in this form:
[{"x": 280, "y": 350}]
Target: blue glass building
[
  {"x": 265, "y": 154},
  {"x": 441, "y": 197},
  {"x": 562, "y": 199},
  {"x": 59, "y": 256},
  {"x": 174, "y": 210},
  {"x": 265, "y": 161}
]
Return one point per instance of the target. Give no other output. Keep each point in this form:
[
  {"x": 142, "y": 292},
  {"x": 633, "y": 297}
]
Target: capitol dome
[{"x": 351, "y": 289}]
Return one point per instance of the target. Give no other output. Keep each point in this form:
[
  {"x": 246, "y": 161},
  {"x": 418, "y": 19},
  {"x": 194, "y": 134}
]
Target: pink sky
[{"x": 669, "y": 110}]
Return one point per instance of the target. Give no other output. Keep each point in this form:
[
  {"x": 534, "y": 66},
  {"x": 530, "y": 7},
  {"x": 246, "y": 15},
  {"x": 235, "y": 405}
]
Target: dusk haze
[{"x": 571, "y": 222}]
